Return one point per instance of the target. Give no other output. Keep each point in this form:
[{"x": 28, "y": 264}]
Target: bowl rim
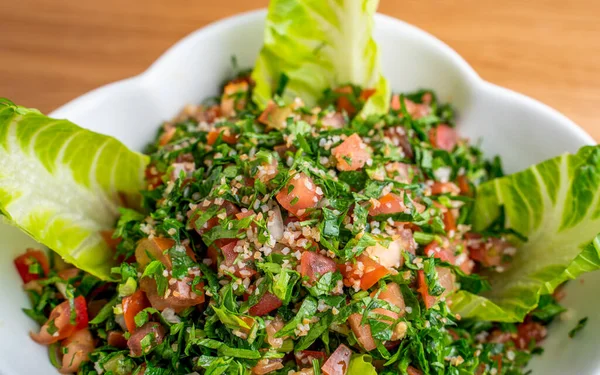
[{"x": 251, "y": 16}]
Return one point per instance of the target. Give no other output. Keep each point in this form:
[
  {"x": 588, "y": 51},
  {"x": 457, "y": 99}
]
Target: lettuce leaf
[
  {"x": 318, "y": 45},
  {"x": 62, "y": 184},
  {"x": 361, "y": 365},
  {"x": 556, "y": 204}
]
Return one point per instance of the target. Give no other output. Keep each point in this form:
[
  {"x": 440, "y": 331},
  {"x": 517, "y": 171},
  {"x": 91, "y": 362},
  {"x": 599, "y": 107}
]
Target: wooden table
[{"x": 54, "y": 50}]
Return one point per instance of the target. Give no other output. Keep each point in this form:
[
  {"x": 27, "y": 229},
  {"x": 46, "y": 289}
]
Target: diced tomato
[
  {"x": 338, "y": 362},
  {"x": 352, "y": 154},
  {"x": 392, "y": 294},
  {"x": 388, "y": 204},
  {"x": 489, "y": 252},
  {"x": 304, "y": 358},
  {"x": 227, "y": 248},
  {"x": 132, "y": 305},
  {"x": 423, "y": 289},
  {"x": 69, "y": 273},
  {"x": 369, "y": 274},
  {"x": 413, "y": 371},
  {"x": 107, "y": 236},
  {"x": 193, "y": 215},
  {"x": 76, "y": 349},
  {"x": 148, "y": 250},
  {"x": 443, "y": 137},
  {"x": 275, "y": 117},
  {"x": 415, "y": 110},
  {"x": 155, "y": 331},
  {"x": 529, "y": 332},
  {"x": 401, "y": 172},
  {"x": 267, "y": 303},
  {"x": 463, "y": 185},
  {"x": 59, "y": 325},
  {"x": 226, "y": 134},
  {"x": 300, "y": 194},
  {"x": 392, "y": 255},
  {"x": 444, "y": 188},
  {"x": 25, "y": 261},
  {"x": 446, "y": 253},
  {"x": 234, "y": 97},
  {"x": 116, "y": 339},
  {"x": 362, "y": 332},
  {"x": 313, "y": 266},
  {"x": 284, "y": 149},
  {"x": 365, "y": 94},
  {"x": 267, "y": 366},
  {"x": 449, "y": 221},
  {"x": 153, "y": 177},
  {"x": 343, "y": 102},
  {"x": 180, "y": 297},
  {"x": 167, "y": 135},
  {"x": 333, "y": 120}
]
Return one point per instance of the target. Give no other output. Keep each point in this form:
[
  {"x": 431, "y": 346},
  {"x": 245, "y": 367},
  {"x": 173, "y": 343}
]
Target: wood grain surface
[{"x": 52, "y": 51}]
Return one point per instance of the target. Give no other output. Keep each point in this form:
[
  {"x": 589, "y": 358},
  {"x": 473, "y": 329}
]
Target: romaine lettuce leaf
[
  {"x": 361, "y": 365},
  {"x": 318, "y": 45},
  {"x": 556, "y": 204},
  {"x": 62, "y": 184}
]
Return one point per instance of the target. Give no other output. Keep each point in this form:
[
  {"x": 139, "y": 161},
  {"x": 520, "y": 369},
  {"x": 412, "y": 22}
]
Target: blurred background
[{"x": 52, "y": 51}]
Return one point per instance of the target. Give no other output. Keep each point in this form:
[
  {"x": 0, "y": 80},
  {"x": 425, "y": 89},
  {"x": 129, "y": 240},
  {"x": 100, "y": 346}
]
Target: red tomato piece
[
  {"x": 413, "y": 371},
  {"x": 392, "y": 294},
  {"x": 415, "y": 110},
  {"x": 77, "y": 349},
  {"x": 449, "y": 221},
  {"x": 304, "y": 358},
  {"x": 463, "y": 185},
  {"x": 529, "y": 332},
  {"x": 226, "y": 134},
  {"x": 116, "y": 339},
  {"x": 167, "y": 135},
  {"x": 343, "y": 102},
  {"x": 443, "y": 137},
  {"x": 234, "y": 97},
  {"x": 489, "y": 252},
  {"x": 338, "y": 362},
  {"x": 275, "y": 117},
  {"x": 153, "y": 177},
  {"x": 388, "y": 204},
  {"x": 444, "y": 188},
  {"x": 193, "y": 215},
  {"x": 365, "y": 94},
  {"x": 154, "y": 249},
  {"x": 313, "y": 265},
  {"x": 107, "y": 236},
  {"x": 267, "y": 303},
  {"x": 132, "y": 305},
  {"x": 423, "y": 289},
  {"x": 24, "y": 261},
  {"x": 59, "y": 326},
  {"x": 362, "y": 332},
  {"x": 446, "y": 253},
  {"x": 300, "y": 194},
  {"x": 352, "y": 154},
  {"x": 366, "y": 272}
]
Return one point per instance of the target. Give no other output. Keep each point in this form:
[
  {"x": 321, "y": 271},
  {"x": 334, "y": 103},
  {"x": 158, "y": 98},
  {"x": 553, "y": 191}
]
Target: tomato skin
[
  {"x": 446, "y": 253},
  {"x": 226, "y": 136},
  {"x": 342, "y": 102},
  {"x": 313, "y": 266},
  {"x": 304, "y": 358},
  {"x": 362, "y": 332},
  {"x": 193, "y": 215},
  {"x": 427, "y": 298},
  {"x": 229, "y": 101},
  {"x": 267, "y": 303},
  {"x": 274, "y": 117},
  {"x": 489, "y": 252},
  {"x": 338, "y": 362},
  {"x": 148, "y": 249},
  {"x": 60, "y": 317},
  {"x": 449, "y": 221},
  {"x": 415, "y": 110},
  {"x": 116, "y": 339},
  {"x": 77, "y": 348},
  {"x": 388, "y": 204},
  {"x": 22, "y": 263},
  {"x": 443, "y": 137},
  {"x": 226, "y": 248},
  {"x": 527, "y": 332},
  {"x": 302, "y": 196},
  {"x": 371, "y": 273},
  {"x": 132, "y": 305},
  {"x": 354, "y": 149},
  {"x": 444, "y": 188},
  {"x": 107, "y": 236},
  {"x": 413, "y": 371}
]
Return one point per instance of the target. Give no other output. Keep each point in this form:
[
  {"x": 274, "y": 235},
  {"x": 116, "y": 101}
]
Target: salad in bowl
[{"x": 308, "y": 220}]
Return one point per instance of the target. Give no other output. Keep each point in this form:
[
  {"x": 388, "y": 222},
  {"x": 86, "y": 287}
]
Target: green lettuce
[
  {"x": 556, "y": 205},
  {"x": 361, "y": 365},
  {"x": 318, "y": 45},
  {"x": 63, "y": 184}
]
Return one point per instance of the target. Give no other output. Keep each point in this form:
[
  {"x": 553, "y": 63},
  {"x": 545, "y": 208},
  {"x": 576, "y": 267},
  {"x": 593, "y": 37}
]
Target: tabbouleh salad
[{"x": 288, "y": 241}]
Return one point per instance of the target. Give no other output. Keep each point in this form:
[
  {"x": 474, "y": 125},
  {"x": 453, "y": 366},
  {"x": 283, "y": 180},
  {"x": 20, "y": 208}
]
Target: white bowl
[{"x": 521, "y": 130}]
